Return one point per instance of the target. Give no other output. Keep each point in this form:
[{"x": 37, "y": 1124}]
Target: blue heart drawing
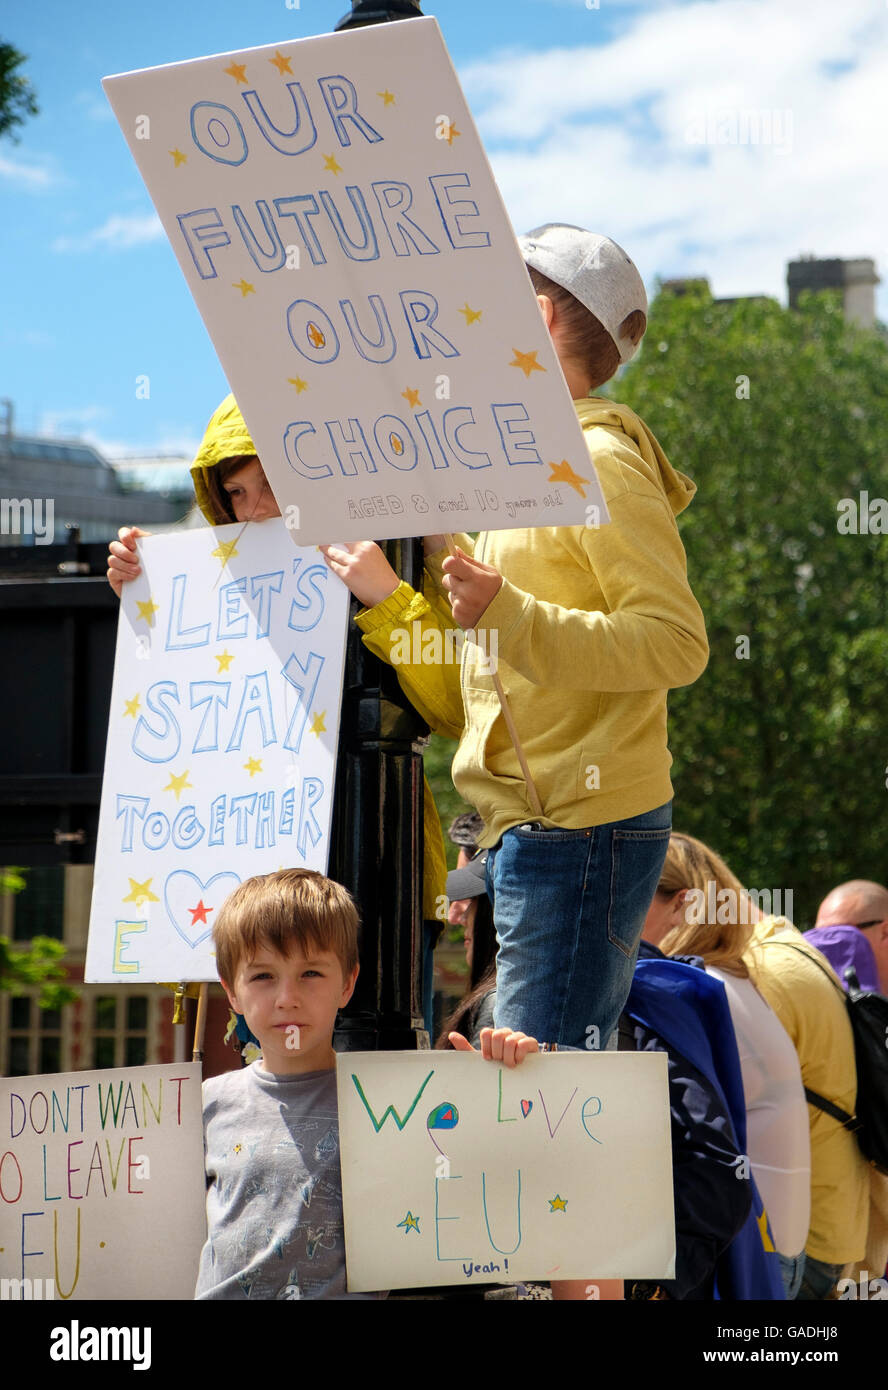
[{"x": 191, "y": 905}]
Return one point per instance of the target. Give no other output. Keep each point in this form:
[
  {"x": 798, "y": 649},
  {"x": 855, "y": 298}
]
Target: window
[
  {"x": 38, "y": 910},
  {"x": 120, "y": 1030},
  {"x": 34, "y": 1038}
]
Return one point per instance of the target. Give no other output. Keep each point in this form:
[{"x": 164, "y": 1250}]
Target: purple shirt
[{"x": 844, "y": 946}]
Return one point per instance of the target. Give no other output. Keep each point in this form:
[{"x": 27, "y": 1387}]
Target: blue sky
[{"x": 625, "y": 118}]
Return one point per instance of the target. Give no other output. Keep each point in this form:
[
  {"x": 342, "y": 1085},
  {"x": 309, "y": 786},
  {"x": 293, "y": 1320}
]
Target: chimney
[
  {"x": 692, "y": 284},
  {"x": 856, "y": 279}
]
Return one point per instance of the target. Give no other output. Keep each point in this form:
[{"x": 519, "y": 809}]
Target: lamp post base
[{"x": 372, "y": 12}]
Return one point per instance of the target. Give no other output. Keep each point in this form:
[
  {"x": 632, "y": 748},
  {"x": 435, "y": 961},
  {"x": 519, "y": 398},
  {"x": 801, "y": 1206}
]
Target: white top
[{"x": 777, "y": 1133}]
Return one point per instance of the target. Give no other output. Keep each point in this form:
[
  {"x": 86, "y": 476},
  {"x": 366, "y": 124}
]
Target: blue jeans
[
  {"x": 818, "y": 1280},
  {"x": 792, "y": 1268},
  {"x": 569, "y": 908}
]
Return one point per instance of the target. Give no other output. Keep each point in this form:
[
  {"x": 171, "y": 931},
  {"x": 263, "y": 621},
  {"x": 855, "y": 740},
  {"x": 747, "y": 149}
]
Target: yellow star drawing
[
  {"x": 131, "y": 707},
  {"x": 563, "y": 473},
  {"x": 557, "y": 1203},
  {"x": 179, "y": 157},
  {"x": 253, "y": 765},
  {"x": 140, "y": 893},
  {"x": 317, "y": 724},
  {"x": 767, "y": 1243},
  {"x": 451, "y": 132},
  {"x": 471, "y": 315},
  {"x": 316, "y": 337},
  {"x": 224, "y": 659},
  {"x": 330, "y": 163},
  {"x": 147, "y": 609},
  {"x": 281, "y": 63},
  {"x": 298, "y": 383},
  {"x": 411, "y": 396},
  {"x": 526, "y": 361},
  {"x": 238, "y": 71},
  {"x": 387, "y": 97},
  {"x": 178, "y": 784},
  {"x": 410, "y": 1223},
  {"x": 225, "y": 551},
  {"x": 244, "y": 286}
]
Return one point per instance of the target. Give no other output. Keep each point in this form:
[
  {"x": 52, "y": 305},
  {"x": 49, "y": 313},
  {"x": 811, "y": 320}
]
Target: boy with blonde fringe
[{"x": 287, "y": 955}]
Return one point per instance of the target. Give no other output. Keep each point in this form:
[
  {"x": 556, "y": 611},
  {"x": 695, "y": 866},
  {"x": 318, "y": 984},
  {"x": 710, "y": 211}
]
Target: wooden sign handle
[
  {"x": 533, "y": 795},
  {"x": 200, "y": 1023}
]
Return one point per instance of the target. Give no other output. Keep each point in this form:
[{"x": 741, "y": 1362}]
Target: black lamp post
[
  {"x": 371, "y": 12},
  {"x": 377, "y": 842}
]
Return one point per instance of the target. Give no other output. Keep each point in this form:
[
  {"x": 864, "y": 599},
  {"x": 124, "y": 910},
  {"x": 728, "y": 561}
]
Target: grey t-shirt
[{"x": 274, "y": 1190}]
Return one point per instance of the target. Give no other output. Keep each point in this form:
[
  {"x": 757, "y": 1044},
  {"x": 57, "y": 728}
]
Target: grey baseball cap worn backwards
[
  {"x": 594, "y": 269},
  {"x": 471, "y": 880}
]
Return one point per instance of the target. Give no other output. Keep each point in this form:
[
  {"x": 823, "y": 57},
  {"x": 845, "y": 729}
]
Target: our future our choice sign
[{"x": 335, "y": 217}]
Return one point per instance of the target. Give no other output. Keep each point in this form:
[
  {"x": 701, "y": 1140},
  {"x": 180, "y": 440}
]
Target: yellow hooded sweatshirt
[
  {"x": 227, "y": 436},
  {"x": 593, "y": 625}
]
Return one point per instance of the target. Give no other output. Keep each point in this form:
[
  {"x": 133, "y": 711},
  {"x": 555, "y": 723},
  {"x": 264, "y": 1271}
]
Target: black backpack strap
[
  {"x": 850, "y": 1122},
  {"x": 781, "y": 941}
]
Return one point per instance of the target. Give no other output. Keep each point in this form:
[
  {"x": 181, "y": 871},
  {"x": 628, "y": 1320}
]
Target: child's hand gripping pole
[{"x": 533, "y": 797}]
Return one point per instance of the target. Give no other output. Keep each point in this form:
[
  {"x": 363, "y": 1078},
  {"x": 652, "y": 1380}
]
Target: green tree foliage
[
  {"x": 21, "y": 970},
  {"x": 17, "y": 100},
  {"x": 780, "y": 756},
  {"x": 40, "y": 964}
]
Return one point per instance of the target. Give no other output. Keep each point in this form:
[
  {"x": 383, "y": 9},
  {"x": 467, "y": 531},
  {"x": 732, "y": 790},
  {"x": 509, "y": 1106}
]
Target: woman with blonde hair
[{"x": 700, "y": 908}]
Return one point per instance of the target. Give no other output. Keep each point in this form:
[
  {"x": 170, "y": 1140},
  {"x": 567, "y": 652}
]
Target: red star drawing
[{"x": 199, "y": 913}]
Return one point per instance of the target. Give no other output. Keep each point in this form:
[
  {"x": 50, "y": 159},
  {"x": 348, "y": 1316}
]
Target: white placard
[
  {"x": 222, "y": 740},
  {"x": 336, "y": 219},
  {"x": 560, "y": 1168},
  {"x": 102, "y": 1181}
]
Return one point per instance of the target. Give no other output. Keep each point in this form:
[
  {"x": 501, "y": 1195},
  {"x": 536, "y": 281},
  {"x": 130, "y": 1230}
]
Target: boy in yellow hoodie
[{"x": 594, "y": 624}]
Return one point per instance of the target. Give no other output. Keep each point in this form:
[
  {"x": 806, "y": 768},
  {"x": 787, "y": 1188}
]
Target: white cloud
[
  {"x": 94, "y": 108},
  {"x": 605, "y": 5},
  {"x": 68, "y": 424},
  {"x": 599, "y": 135},
  {"x": 84, "y": 423},
  {"x": 116, "y": 233},
  {"x": 27, "y": 175},
  {"x": 29, "y": 337},
  {"x": 171, "y": 440}
]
